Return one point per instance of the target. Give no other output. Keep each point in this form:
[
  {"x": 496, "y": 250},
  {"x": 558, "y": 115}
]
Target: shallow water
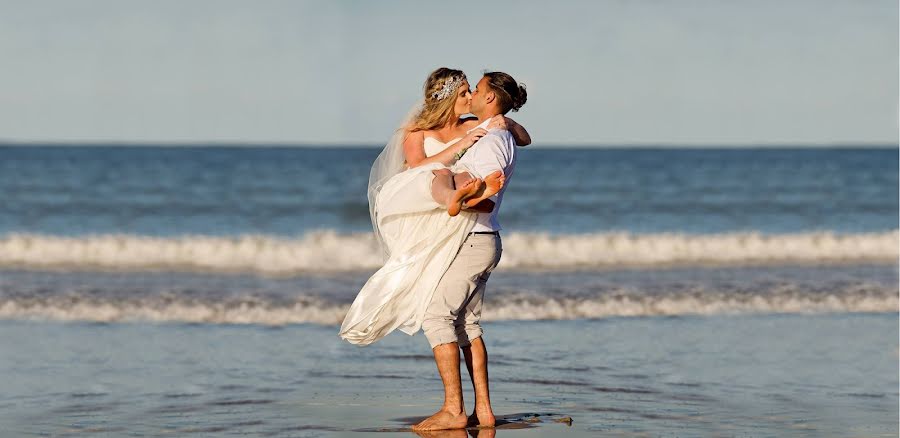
[
  {"x": 651, "y": 292},
  {"x": 735, "y": 375}
]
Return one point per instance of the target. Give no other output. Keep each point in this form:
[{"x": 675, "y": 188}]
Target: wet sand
[{"x": 741, "y": 375}]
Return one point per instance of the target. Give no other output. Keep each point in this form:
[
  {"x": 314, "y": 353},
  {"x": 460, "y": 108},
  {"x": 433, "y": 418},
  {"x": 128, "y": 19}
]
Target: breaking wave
[
  {"x": 508, "y": 306},
  {"x": 329, "y": 251}
]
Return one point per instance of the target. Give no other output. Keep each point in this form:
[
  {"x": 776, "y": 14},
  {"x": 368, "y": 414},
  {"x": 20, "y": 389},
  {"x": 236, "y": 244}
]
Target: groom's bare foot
[
  {"x": 442, "y": 420},
  {"x": 481, "y": 418},
  {"x": 492, "y": 185},
  {"x": 469, "y": 189},
  {"x": 446, "y": 433}
]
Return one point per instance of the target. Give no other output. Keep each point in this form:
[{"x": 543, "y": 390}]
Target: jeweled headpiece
[{"x": 453, "y": 82}]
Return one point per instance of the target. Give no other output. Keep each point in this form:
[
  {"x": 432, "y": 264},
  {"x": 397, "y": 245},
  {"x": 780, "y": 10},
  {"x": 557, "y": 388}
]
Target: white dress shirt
[{"x": 495, "y": 151}]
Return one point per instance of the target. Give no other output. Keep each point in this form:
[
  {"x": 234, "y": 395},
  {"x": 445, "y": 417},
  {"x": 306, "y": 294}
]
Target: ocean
[{"x": 642, "y": 292}]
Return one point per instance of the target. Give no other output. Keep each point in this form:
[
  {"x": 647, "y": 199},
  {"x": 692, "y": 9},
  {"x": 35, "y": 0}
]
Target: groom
[{"x": 452, "y": 318}]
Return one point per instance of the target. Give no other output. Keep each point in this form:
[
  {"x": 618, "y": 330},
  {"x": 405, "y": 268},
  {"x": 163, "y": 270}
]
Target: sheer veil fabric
[
  {"x": 390, "y": 162},
  {"x": 418, "y": 238}
]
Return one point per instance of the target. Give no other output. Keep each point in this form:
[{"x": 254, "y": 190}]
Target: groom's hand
[{"x": 484, "y": 206}]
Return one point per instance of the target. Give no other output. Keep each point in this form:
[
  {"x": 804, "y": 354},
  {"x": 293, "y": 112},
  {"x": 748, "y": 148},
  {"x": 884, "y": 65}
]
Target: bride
[{"x": 423, "y": 203}]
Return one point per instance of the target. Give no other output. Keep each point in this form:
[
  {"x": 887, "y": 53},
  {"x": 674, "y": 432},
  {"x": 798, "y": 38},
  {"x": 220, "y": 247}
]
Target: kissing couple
[{"x": 434, "y": 194}]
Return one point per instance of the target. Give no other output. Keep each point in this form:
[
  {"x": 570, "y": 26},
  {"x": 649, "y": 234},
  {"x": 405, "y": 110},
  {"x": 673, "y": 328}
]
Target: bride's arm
[
  {"x": 520, "y": 135},
  {"x": 414, "y": 149}
]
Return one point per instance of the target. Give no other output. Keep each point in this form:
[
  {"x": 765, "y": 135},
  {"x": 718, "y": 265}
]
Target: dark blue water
[{"x": 165, "y": 191}]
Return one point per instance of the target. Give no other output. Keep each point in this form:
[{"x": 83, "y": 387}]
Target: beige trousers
[{"x": 454, "y": 313}]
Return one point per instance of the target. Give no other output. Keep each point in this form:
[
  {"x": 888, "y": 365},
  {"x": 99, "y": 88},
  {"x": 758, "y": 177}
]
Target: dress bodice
[{"x": 434, "y": 146}]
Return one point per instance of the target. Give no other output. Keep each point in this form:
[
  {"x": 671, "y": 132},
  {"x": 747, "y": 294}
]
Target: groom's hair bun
[{"x": 510, "y": 94}]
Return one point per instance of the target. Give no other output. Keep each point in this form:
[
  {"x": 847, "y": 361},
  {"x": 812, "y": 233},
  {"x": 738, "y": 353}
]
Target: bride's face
[{"x": 463, "y": 99}]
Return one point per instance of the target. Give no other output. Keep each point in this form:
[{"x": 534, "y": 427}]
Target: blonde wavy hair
[{"x": 436, "y": 112}]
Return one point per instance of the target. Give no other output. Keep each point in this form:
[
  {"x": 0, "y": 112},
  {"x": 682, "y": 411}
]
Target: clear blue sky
[{"x": 715, "y": 72}]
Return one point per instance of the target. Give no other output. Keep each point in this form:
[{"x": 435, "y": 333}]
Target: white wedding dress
[{"x": 421, "y": 240}]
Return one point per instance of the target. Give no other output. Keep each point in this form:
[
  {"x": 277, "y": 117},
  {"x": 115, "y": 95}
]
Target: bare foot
[
  {"x": 442, "y": 420},
  {"x": 457, "y": 197},
  {"x": 460, "y": 178},
  {"x": 488, "y": 432},
  {"x": 442, "y": 172},
  {"x": 492, "y": 185},
  {"x": 447, "y": 433},
  {"x": 481, "y": 418}
]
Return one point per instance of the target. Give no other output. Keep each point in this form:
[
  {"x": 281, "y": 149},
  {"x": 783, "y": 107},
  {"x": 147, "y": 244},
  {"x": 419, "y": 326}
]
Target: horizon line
[{"x": 553, "y": 145}]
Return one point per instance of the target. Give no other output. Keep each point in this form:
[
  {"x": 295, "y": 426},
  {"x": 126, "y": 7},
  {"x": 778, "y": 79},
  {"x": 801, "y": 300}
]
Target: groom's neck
[{"x": 486, "y": 114}]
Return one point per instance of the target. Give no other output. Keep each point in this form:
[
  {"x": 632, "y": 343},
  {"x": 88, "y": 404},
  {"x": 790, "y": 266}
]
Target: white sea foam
[
  {"x": 329, "y": 251},
  {"x": 784, "y": 301},
  {"x": 68, "y": 307}
]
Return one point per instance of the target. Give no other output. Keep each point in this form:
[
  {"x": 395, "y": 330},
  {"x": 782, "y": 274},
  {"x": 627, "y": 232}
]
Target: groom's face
[{"x": 480, "y": 95}]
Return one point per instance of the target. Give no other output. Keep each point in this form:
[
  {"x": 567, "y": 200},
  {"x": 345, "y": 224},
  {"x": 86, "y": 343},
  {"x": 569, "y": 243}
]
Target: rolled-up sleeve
[{"x": 488, "y": 155}]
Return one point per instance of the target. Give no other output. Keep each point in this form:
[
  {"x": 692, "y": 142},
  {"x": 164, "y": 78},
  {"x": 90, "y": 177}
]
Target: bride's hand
[
  {"x": 472, "y": 137},
  {"x": 500, "y": 122}
]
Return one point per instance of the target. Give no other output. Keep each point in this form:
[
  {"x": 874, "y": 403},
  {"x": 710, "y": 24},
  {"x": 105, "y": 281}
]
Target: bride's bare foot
[
  {"x": 442, "y": 420},
  {"x": 469, "y": 189},
  {"x": 442, "y": 172},
  {"x": 492, "y": 185}
]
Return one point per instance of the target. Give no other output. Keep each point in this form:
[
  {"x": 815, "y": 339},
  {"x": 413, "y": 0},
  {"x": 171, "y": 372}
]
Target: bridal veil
[{"x": 418, "y": 239}]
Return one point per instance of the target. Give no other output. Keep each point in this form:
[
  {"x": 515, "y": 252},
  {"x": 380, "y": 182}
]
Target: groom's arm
[
  {"x": 489, "y": 155},
  {"x": 485, "y": 206}
]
